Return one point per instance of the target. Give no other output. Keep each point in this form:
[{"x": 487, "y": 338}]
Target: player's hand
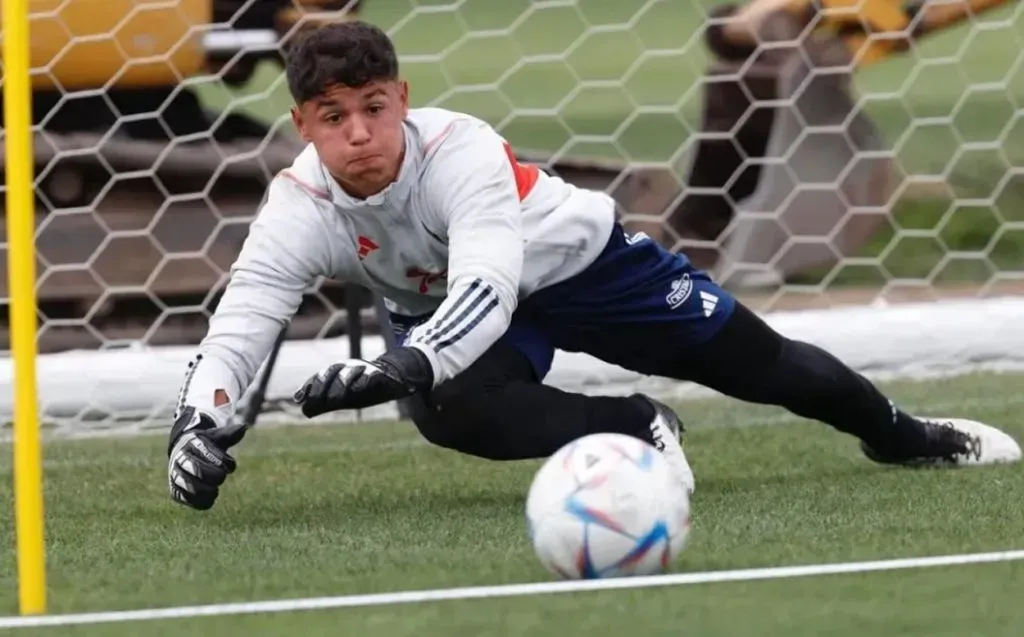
[
  {"x": 356, "y": 384},
  {"x": 198, "y": 460}
]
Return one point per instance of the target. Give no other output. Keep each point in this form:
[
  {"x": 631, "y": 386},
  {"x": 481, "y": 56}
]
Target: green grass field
[
  {"x": 321, "y": 511},
  {"x": 621, "y": 81}
]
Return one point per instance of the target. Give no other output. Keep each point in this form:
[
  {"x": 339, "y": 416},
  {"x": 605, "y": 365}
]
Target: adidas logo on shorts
[{"x": 709, "y": 302}]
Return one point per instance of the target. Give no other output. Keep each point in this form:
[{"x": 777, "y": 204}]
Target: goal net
[{"x": 861, "y": 186}]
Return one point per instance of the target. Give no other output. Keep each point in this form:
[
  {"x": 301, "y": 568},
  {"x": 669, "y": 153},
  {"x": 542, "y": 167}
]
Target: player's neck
[{"x": 363, "y": 190}]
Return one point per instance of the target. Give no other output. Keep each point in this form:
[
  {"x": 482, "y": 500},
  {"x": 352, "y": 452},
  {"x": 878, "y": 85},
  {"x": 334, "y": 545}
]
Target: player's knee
[
  {"x": 465, "y": 413},
  {"x": 454, "y": 416}
]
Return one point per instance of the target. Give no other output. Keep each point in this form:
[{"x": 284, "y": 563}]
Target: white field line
[{"x": 512, "y": 590}]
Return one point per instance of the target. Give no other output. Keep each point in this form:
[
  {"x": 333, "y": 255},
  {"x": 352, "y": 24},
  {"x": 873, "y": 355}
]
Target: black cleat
[{"x": 955, "y": 442}]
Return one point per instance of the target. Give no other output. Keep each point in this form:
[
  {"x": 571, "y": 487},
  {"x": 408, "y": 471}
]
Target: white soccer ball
[{"x": 607, "y": 505}]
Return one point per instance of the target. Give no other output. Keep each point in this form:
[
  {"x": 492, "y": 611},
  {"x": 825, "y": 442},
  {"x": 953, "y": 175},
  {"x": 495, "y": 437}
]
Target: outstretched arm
[
  {"x": 283, "y": 255},
  {"x": 285, "y": 252}
]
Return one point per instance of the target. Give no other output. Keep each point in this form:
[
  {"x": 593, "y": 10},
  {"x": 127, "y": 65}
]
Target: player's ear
[
  {"x": 403, "y": 94},
  {"x": 300, "y": 124}
]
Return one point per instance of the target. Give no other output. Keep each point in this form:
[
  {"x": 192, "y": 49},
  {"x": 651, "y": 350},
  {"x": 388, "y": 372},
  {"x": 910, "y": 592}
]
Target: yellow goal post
[{"x": 28, "y": 477}]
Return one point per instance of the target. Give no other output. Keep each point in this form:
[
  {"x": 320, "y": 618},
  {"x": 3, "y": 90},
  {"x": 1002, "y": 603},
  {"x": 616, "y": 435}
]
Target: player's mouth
[{"x": 364, "y": 159}]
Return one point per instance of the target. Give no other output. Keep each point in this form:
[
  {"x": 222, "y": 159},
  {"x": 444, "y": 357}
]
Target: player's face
[{"x": 357, "y": 133}]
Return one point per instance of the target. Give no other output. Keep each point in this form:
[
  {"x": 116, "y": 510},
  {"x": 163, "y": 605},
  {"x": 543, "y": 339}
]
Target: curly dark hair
[{"x": 351, "y": 54}]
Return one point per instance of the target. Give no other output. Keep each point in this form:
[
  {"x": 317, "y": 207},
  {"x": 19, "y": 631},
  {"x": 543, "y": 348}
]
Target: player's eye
[
  {"x": 332, "y": 118},
  {"x": 375, "y": 109}
]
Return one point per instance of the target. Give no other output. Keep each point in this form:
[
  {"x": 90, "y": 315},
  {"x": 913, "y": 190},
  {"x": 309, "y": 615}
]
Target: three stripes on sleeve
[{"x": 470, "y": 308}]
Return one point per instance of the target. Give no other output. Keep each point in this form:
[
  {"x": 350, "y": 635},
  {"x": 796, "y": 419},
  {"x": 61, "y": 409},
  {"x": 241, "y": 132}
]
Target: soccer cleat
[
  {"x": 957, "y": 442},
  {"x": 666, "y": 432}
]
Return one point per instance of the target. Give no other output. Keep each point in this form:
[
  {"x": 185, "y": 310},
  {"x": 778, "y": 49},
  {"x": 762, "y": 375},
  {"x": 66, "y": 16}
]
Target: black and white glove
[
  {"x": 198, "y": 460},
  {"x": 357, "y": 384}
]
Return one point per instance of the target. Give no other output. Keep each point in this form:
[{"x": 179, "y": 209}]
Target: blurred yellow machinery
[{"x": 128, "y": 44}]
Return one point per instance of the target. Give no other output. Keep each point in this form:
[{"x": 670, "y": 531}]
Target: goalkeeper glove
[
  {"x": 356, "y": 384},
  {"x": 198, "y": 461}
]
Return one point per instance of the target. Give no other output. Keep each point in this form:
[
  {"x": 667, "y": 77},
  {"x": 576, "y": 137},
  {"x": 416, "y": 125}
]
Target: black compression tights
[
  {"x": 498, "y": 410},
  {"x": 750, "y": 361}
]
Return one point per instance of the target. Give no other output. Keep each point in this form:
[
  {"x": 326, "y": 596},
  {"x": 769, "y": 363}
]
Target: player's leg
[
  {"x": 749, "y": 360},
  {"x": 645, "y": 309},
  {"x": 498, "y": 409}
]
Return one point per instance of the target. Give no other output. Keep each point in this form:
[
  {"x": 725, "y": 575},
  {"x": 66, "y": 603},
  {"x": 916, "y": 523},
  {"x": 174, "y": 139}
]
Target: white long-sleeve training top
[{"x": 463, "y": 233}]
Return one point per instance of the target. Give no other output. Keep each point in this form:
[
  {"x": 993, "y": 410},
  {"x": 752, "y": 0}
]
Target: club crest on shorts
[{"x": 681, "y": 289}]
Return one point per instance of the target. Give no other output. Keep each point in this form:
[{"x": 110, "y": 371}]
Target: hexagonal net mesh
[{"x": 870, "y": 205}]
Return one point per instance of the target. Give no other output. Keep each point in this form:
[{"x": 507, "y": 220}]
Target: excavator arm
[{"x": 873, "y": 30}]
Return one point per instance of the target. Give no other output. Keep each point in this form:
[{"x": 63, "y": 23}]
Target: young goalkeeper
[{"x": 489, "y": 265}]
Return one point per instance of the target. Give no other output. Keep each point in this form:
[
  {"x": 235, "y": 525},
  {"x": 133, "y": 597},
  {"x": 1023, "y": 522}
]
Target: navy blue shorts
[{"x": 638, "y": 306}]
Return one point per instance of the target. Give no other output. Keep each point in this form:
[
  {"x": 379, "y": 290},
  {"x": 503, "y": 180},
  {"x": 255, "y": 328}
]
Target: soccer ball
[{"x": 607, "y": 505}]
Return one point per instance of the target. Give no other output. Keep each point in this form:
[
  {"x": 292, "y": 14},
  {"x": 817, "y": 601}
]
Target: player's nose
[{"x": 359, "y": 132}]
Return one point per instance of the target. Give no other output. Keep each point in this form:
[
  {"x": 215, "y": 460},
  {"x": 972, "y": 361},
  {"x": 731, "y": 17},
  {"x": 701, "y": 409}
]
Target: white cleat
[
  {"x": 959, "y": 442},
  {"x": 667, "y": 431}
]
